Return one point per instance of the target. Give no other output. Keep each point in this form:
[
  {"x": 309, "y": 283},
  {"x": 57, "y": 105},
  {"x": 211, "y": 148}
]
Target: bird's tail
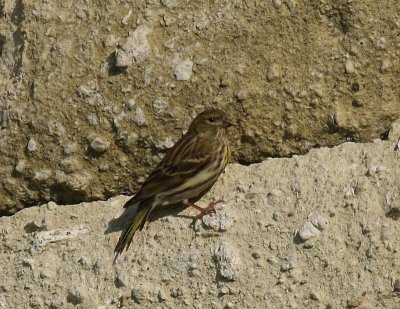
[{"x": 140, "y": 218}]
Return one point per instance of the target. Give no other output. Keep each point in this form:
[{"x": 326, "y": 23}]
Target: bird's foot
[{"x": 204, "y": 211}]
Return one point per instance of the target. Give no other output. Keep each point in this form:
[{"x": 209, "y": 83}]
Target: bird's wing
[{"x": 186, "y": 158}]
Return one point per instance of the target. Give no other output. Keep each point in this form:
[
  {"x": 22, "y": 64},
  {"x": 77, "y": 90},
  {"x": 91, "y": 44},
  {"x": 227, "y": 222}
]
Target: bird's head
[{"x": 210, "y": 122}]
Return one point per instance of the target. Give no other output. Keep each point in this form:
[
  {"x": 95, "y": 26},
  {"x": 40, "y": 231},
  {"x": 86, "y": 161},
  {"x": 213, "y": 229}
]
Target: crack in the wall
[{"x": 17, "y": 17}]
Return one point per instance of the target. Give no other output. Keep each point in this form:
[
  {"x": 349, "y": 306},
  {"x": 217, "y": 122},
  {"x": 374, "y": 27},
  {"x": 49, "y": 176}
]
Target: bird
[{"x": 187, "y": 172}]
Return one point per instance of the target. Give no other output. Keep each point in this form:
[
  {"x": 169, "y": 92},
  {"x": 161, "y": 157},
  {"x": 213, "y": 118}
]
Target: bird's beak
[{"x": 226, "y": 123}]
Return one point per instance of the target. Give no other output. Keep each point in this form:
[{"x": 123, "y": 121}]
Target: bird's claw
[{"x": 210, "y": 209}]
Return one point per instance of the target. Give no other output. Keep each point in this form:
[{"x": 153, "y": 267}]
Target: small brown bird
[{"x": 185, "y": 174}]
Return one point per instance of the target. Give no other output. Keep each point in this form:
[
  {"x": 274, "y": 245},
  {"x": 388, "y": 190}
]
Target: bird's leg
[{"x": 203, "y": 211}]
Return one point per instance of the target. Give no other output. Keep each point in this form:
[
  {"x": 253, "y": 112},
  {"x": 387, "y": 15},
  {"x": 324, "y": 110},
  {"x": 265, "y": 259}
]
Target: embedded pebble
[
  {"x": 160, "y": 104},
  {"x": 20, "y": 166},
  {"x": 381, "y": 43},
  {"x": 165, "y": 144},
  {"x": 317, "y": 220},
  {"x": 275, "y": 192},
  {"x": 177, "y": 292},
  {"x": 70, "y": 148},
  {"x": 349, "y": 66},
  {"x": 138, "y": 294},
  {"x": 290, "y": 263},
  {"x": 40, "y": 224},
  {"x": 93, "y": 119},
  {"x": 110, "y": 40},
  {"x": 396, "y": 286},
  {"x": 44, "y": 237},
  {"x": 242, "y": 95},
  {"x": 130, "y": 103},
  {"x": 77, "y": 295},
  {"x": 228, "y": 262},
  {"x": 42, "y": 175},
  {"x": 99, "y": 145},
  {"x": 32, "y": 145},
  {"x": 139, "y": 117},
  {"x": 136, "y": 48},
  {"x": 394, "y": 133},
  {"x": 77, "y": 182},
  {"x": 118, "y": 119},
  {"x": 277, "y": 3},
  {"x": 372, "y": 170},
  {"x": 308, "y": 230},
  {"x": 71, "y": 165},
  {"x": 162, "y": 296},
  {"x": 182, "y": 69},
  {"x": 224, "y": 290},
  {"x": 385, "y": 65},
  {"x": 125, "y": 19},
  {"x": 218, "y": 221},
  {"x": 273, "y": 72}
]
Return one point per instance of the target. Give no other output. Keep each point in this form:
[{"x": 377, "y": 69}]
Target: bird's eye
[{"x": 212, "y": 119}]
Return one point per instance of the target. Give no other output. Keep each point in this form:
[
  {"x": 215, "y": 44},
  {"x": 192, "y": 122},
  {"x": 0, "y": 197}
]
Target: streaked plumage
[{"x": 187, "y": 172}]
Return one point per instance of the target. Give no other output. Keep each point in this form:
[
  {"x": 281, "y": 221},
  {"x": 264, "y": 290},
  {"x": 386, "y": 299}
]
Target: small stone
[
  {"x": 315, "y": 295},
  {"x": 182, "y": 69},
  {"x": 194, "y": 273},
  {"x": 93, "y": 119},
  {"x": 228, "y": 262},
  {"x": 28, "y": 263},
  {"x": 32, "y": 145},
  {"x": 165, "y": 144},
  {"x": 275, "y": 192},
  {"x": 139, "y": 118},
  {"x": 135, "y": 50},
  {"x": 71, "y": 165},
  {"x": 317, "y": 220},
  {"x": 218, "y": 221},
  {"x": 396, "y": 286},
  {"x": 229, "y": 305},
  {"x": 394, "y": 133},
  {"x": 160, "y": 104},
  {"x": 357, "y": 103},
  {"x": 242, "y": 95},
  {"x": 130, "y": 103},
  {"x": 224, "y": 290},
  {"x": 169, "y": 3},
  {"x": 385, "y": 65},
  {"x": 70, "y": 149},
  {"x": 52, "y": 206},
  {"x": 349, "y": 66},
  {"x": 103, "y": 167},
  {"x": 290, "y": 263},
  {"x": 125, "y": 19},
  {"x": 110, "y": 40},
  {"x": 273, "y": 72},
  {"x": 177, "y": 292},
  {"x": 84, "y": 91},
  {"x": 372, "y": 170},
  {"x": 277, "y": 3},
  {"x": 162, "y": 296},
  {"x": 42, "y": 175},
  {"x": 121, "y": 280},
  {"x": 99, "y": 145},
  {"x": 308, "y": 230},
  {"x": 354, "y": 51},
  {"x": 76, "y": 296},
  {"x": 40, "y": 224},
  {"x": 381, "y": 43},
  {"x": 19, "y": 168}
]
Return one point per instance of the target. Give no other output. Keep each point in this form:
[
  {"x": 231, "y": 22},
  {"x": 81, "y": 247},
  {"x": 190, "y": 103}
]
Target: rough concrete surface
[
  {"x": 93, "y": 92},
  {"x": 313, "y": 231}
]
